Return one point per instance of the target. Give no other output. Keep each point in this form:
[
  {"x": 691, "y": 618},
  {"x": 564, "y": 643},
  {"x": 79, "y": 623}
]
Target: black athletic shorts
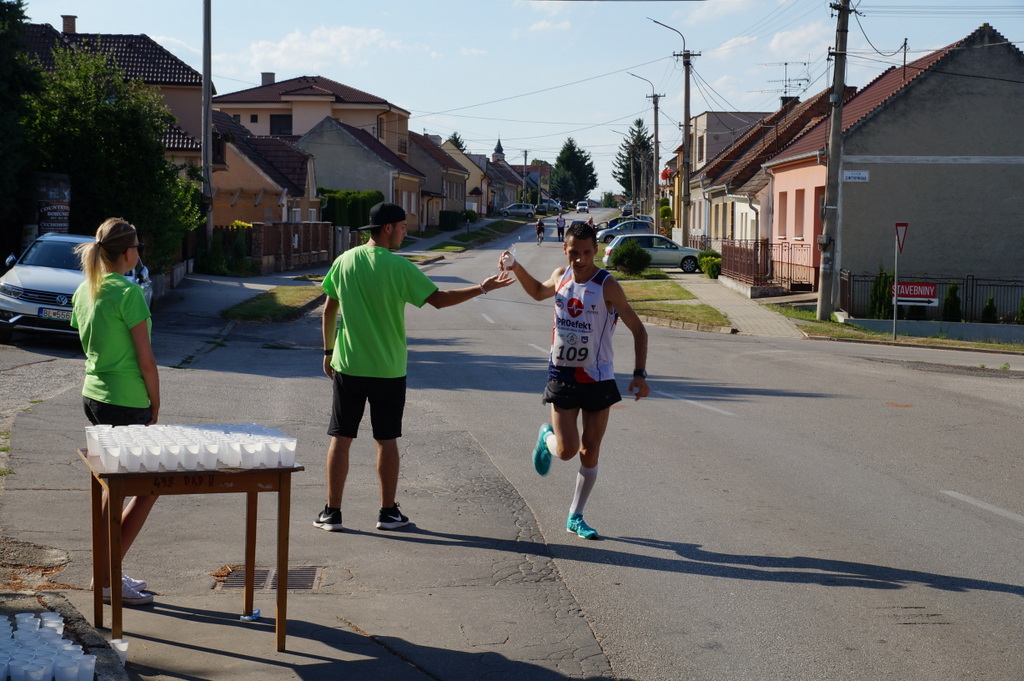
[
  {"x": 589, "y": 397},
  {"x": 101, "y": 413},
  {"x": 387, "y": 404}
]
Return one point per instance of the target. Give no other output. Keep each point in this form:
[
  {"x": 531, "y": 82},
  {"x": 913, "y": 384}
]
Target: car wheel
[
  {"x": 504, "y": 213},
  {"x": 608, "y": 239},
  {"x": 5, "y": 333},
  {"x": 688, "y": 265},
  {"x": 529, "y": 215}
]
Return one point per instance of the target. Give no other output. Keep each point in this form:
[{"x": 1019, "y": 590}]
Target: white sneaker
[
  {"x": 137, "y": 584},
  {"x": 129, "y": 595}
]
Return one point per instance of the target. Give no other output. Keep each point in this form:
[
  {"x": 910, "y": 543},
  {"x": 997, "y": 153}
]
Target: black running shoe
[
  {"x": 329, "y": 519},
  {"x": 391, "y": 519}
]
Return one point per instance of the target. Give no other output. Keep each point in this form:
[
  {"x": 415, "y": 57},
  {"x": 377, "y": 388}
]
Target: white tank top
[{"x": 581, "y": 339}]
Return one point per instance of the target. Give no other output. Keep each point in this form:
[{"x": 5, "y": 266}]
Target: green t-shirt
[
  {"x": 373, "y": 286},
  {"x": 112, "y": 373}
]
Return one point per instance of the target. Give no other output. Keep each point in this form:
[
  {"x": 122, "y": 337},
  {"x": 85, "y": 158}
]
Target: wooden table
[{"x": 252, "y": 481}]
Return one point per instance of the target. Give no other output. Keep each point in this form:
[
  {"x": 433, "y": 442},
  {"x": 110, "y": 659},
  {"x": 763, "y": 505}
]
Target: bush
[
  {"x": 470, "y": 215},
  {"x": 450, "y": 220},
  {"x": 708, "y": 253},
  {"x": 951, "y": 311},
  {"x": 1020, "y": 311},
  {"x": 630, "y": 258},
  {"x": 710, "y": 266},
  {"x": 989, "y": 315}
]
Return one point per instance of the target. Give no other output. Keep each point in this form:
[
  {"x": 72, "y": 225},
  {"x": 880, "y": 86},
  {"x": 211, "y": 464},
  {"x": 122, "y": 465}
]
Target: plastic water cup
[
  {"x": 151, "y": 457},
  {"x": 16, "y": 668},
  {"x": 208, "y": 456},
  {"x": 132, "y": 457},
  {"x": 110, "y": 458},
  {"x": 170, "y": 455},
  {"x": 86, "y": 667},
  {"x": 46, "y": 660},
  {"x": 287, "y": 457},
  {"x": 34, "y": 672},
  {"x": 71, "y": 648},
  {"x": 232, "y": 456},
  {"x": 26, "y": 621},
  {"x": 65, "y": 669},
  {"x": 190, "y": 456},
  {"x": 3, "y": 666},
  {"x": 55, "y": 625},
  {"x": 120, "y": 646},
  {"x": 249, "y": 453}
]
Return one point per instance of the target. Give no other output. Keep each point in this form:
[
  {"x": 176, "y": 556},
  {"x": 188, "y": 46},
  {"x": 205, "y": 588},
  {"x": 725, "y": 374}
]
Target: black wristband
[{"x": 328, "y": 353}]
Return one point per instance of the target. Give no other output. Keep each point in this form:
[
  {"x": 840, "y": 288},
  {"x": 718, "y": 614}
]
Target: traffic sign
[{"x": 901, "y": 234}]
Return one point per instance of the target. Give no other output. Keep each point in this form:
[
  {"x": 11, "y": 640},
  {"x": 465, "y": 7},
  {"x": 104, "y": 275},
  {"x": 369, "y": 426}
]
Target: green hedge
[{"x": 349, "y": 208}]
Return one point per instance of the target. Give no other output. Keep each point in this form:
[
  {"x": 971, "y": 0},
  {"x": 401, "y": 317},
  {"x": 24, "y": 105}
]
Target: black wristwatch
[{"x": 640, "y": 373}]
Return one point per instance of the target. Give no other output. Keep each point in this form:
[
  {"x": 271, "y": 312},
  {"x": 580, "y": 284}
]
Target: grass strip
[
  {"x": 646, "y": 290},
  {"x": 277, "y": 303},
  {"x": 696, "y": 314}
]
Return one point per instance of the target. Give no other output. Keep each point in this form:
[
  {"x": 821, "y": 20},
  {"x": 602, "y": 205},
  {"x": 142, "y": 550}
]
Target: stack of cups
[
  {"x": 34, "y": 649},
  {"x": 132, "y": 449}
]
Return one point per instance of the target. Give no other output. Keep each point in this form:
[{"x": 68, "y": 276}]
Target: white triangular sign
[{"x": 901, "y": 234}]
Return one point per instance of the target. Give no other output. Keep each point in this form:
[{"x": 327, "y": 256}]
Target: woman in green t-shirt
[{"x": 122, "y": 384}]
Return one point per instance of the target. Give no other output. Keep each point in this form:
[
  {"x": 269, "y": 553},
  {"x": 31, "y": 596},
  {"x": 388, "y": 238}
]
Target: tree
[
  {"x": 457, "y": 141},
  {"x": 632, "y": 165},
  {"x": 115, "y": 127},
  {"x": 562, "y": 183},
  {"x": 578, "y": 164},
  {"x": 17, "y": 79}
]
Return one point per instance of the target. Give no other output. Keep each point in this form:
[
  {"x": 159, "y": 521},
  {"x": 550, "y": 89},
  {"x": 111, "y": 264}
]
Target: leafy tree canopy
[{"x": 115, "y": 127}]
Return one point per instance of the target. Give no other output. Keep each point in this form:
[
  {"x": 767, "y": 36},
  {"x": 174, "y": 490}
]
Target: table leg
[
  {"x": 251, "y": 502},
  {"x": 115, "y": 506},
  {"x": 284, "y": 505},
  {"x": 96, "y": 502}
]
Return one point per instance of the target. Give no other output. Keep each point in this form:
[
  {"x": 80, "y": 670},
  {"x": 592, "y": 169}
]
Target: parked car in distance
[
  {"x": 582, "y": 206},
  {"x": 566, "y": 205},
  {"x": 628, "y": 227},
  {"x": 627, "y": 209},
  {"x": 525, "y": 210},
  {"x": 664, "y": 252},
  {"x": 624, "y": 218},
  {"x": 35, "y": 293},
  {"x": 542, "y": 208}
]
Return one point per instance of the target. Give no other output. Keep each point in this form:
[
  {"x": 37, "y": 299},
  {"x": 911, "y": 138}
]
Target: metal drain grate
[{"x": 299, "y": 579}]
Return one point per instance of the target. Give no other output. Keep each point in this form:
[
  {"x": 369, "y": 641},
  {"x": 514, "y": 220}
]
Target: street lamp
[
  {"x": 657, "y": 151},
  {"x": 685, "y": 160}
]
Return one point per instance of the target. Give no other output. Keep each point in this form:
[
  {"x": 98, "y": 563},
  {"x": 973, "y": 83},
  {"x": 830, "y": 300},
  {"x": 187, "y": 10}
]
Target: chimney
[
  {"x": 784, "y": 101},
  {"x": 69, "y": 23},
  {"x": 268, "y": 78}
]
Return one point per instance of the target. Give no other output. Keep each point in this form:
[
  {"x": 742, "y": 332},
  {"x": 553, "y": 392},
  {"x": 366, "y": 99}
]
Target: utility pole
[
  {"x": 526, "y": 195},
  {"x": 830, "y": 217},
  {"x": 206, "y": 131},
  {"x": 684, "y": 157},
  {"x": 656, "y": 151}
]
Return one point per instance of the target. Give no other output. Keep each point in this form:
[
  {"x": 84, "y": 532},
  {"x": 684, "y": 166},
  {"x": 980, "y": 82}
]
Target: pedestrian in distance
[
  {"x": 122, "y": 382},
  {"x": 366, "y": 353},
  {"x": 581, "y": 387},
  {"x": 560, "y": 227}
]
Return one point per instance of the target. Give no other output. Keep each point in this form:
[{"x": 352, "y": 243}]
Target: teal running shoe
[
  {"x": 541, "y": 453},
  {"x": 576, "y": 525}
]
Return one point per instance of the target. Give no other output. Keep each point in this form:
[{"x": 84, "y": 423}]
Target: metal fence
[
  {"x": 763, "y": 263},
  {"x": 1006, "y": 295}
]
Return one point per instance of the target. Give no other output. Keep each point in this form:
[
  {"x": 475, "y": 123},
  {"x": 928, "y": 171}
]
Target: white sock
[
  {"x": 585, "y": 479},
  {"x": 552, "y": 443}
]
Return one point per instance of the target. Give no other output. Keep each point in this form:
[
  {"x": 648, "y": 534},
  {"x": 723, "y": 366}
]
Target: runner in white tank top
[{"x": 588, "y": 304}]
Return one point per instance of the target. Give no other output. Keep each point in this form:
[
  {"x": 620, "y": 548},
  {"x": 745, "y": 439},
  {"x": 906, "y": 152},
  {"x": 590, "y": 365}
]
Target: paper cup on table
[
  {"x": 190, "y": 456},
  {"x": 170, "y": 455},
  {"x": 251, "y": 454},
  {"x": 232, "y": 454},
  {"x": 287, "y": 458},
  {"x": 110, "y": 458},
  {"x": 132, "y": 457},
  {"x": 151, "y": 457},
  {"x": 208, "y": 455},
  {"x": 120, "y": 646}
]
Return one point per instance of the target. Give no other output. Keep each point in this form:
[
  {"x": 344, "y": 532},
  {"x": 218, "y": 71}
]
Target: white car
[
  {"x": 605, "y": 236},
  {"x": 35, "y": 293},
  {"x": 582, "y": 206}
]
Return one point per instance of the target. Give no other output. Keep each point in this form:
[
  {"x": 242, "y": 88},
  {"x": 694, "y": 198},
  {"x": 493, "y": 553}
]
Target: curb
[{"x": 688, "y": 326}]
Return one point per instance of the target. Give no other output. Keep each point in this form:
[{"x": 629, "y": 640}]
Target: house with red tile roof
[
  {"x": 350, "y": 157},
  {"x": 479, "y": 182},
  {"x": 263, "y": 179},
  {"x": 444, "y": 187},
  {"x": 142, "y": 58},
  {"x": 937, "y": 144}
]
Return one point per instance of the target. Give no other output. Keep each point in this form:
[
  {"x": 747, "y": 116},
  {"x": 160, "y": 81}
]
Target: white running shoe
[{"x": 129, "y": 595}]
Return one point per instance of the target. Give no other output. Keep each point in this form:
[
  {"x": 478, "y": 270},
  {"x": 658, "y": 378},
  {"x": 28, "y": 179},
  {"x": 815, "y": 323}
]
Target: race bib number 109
[{"x": 570, "y": 349}]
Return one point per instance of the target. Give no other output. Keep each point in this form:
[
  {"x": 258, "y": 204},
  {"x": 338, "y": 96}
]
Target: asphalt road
[{"x": 777, "y": 509}]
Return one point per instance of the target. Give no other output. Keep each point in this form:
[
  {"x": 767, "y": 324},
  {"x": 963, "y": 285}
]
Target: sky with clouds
[{"x": 536, "y": 72}]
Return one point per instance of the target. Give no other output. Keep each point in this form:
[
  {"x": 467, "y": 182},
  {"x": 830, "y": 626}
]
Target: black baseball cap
[{"x": 384, "y": 213}]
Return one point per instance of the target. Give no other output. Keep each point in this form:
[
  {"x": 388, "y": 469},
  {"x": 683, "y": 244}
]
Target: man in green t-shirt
[{"x": 365, "y": 352}]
